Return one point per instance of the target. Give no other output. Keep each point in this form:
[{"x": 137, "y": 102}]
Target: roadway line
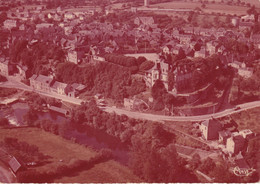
[{"x": 140, "y": 115}]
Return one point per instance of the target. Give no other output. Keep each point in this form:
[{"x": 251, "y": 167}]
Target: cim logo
[{"x": 243, "y": 172}]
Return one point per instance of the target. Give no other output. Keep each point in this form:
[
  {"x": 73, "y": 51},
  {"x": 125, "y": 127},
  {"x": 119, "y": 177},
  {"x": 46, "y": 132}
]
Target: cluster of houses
[
  {"x": 233, "y": 141},
  {"x": 199, "y": 42},
  {"x": 85, "y": 41},
  {"x": 49, "y": 85}
]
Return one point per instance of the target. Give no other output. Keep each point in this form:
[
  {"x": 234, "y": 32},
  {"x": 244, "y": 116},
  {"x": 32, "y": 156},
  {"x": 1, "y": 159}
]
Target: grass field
[
  {"x": 109, "y": 172},
  {"x": 60, "y": 149},
  {"x": 217, "y": 8},
  {"x": 248, "y": 119}
]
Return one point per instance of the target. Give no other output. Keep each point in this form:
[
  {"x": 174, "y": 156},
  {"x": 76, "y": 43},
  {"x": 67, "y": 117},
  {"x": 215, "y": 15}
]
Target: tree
[
  {"x": 3, "y": 17},
  {"x": 154, "y": 156},
  {"x": 207, "y": 165},
  {"x": 140, "y": 60},
  {"x": 158, "y": 89},
  {"x": 251, "y": 10},
  {"x": 4, "y": 122},
  {"x": 222, "y": 174},
  {"x": 30, "y": 117},
  {"x": 195, "y": 162}
]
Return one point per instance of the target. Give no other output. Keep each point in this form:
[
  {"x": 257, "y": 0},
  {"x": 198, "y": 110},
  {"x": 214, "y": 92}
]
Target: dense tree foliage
[
  {"x": 4, "y": 122},
  {"x": 35, "y": 57},
  {"x": 108, "y": 79},
  {"x": 22, "y": 150},
  {"x": 3, "y": 79},
  {"x": 154, "y": 156},
  {"x": 4, "y": 92}
]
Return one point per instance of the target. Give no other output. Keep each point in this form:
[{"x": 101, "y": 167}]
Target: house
[
  {"x": 210, "y": 129},
  {"x": 245, "y": 72},
  {"x": 4, "y": 67},
  {"x": 98, "y": 58},
  {"x": 185, "y": 38},
  {"x": 73, "y": 56},
  {"x": 220, "y": 49},
  {"x": 247, "y": 18},
  {"x": 241, "y": 68},
  {"x": 211, "y": 47},
  {"x": 41, "y": 82},
  {"x": 188, "y": 30},
  {"x": 69, "y": 16},
  {"x": 22, "y": 27},
  {"x": 9, "y": 24},
  {"x": 59, "y": 88},
  {"x": 147, "y": 21},
  {"x": 23, "y": 72},
  {"x": 182, "y": 78},
  {"x": 223, "y": 136},
  {"x": 245, "y": 25},
  {"x": 255, "y": 38},
  {"x": 73, "y": 90},
  {"x": 43, "y": 25},
  {"x": 135, "y": 104},
  {"x": 167, "y": 49},
  {"x": 59, "y": 110},
  {"x": 235, "y": 143},
  {"x": 90, "y": 12},
  {"x": 201, "y": 53},
  {"x": 14, "y": 165},
  {"x": 247, "y": 134},
  {"x": 158, "y": 72},
  {"x": 176, "y": 48}
]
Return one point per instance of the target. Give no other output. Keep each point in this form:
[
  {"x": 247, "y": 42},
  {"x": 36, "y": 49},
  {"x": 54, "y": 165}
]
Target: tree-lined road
[{"x": 11, "y": 83}]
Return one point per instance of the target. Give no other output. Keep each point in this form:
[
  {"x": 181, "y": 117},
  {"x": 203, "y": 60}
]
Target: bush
[
  {"x": 4, "y": 122},
  {"x": 4, "y": 92},
  {"x": 3, "y": 79}
]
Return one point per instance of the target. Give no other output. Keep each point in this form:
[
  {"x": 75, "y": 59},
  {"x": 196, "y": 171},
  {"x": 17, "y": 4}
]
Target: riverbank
[{"x": 64, "y": 152}]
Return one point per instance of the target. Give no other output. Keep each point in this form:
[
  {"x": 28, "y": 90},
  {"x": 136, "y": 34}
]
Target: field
[
  {"x": 248, "y": 119},
  {"x": 67, "y": 151},
  {"x": 109, "y": 172},
  {"x": 252, "y": 2},
  {"x": 217, "y": 8}
]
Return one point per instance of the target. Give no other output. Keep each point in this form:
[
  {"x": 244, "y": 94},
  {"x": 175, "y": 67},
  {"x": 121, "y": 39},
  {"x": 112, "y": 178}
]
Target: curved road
[
  {"x": 154, "y": 117},
  {"x": 11, "y": 83}
]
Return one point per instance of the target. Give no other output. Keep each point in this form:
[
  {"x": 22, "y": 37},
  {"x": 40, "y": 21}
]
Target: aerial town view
[{"x": 130, "y": 91}]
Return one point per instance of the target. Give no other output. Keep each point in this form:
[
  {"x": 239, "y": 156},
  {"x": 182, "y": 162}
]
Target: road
[
  {"x": 11, "y": 83},
  {"x": 153, "y": 117}
]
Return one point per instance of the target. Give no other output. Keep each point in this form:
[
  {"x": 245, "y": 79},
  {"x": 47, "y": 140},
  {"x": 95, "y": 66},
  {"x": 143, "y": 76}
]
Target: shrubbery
[
  {"x": 4, "y": 122},
  {"x": 22, "y": 150},
  {"x": 4, "y": 92},
  {"x": 3, "y": 79},
  {"x": 62, "y": 170}
]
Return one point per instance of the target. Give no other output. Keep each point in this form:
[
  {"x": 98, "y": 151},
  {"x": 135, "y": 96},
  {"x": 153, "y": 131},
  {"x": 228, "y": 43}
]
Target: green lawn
[{"x": 60, "y": 149}]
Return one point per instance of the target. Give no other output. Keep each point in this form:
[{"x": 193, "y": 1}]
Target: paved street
[
  {"x": 138, "y": 115},
  {"x": 153, "y": 117}
]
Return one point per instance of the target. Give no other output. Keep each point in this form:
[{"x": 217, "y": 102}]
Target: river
[{"x": 83, "y": 134}]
